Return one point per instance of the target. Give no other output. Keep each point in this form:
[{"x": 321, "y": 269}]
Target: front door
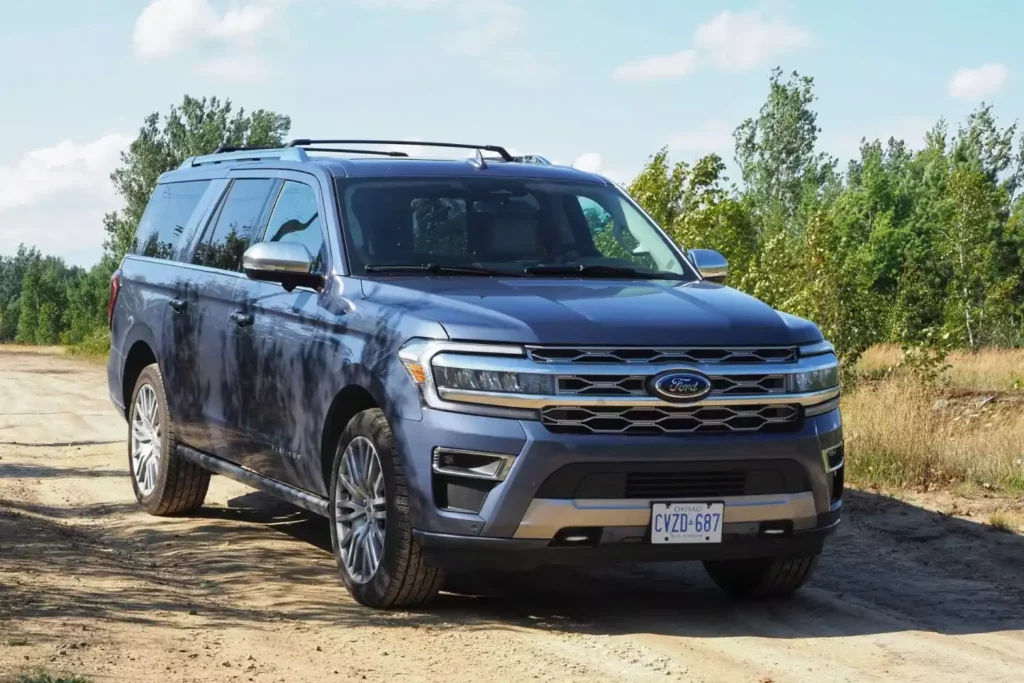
[
  {"x": 216, "y": 276},
  {"x": 282, "y": 351}
]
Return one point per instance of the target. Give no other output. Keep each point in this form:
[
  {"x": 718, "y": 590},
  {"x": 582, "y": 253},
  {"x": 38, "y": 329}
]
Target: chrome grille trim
[
  {"x": 657, "y": 420},
  {"x": 635, "y": 385},
  {"x": 661, "y": 356}
]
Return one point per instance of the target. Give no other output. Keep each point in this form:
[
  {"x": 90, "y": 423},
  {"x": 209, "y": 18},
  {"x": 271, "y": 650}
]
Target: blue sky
[{"x": 597, "y": 83}]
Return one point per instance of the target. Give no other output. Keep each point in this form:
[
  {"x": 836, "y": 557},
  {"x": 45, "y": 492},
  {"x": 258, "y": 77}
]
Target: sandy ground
[{"x": 247, "y": 590}]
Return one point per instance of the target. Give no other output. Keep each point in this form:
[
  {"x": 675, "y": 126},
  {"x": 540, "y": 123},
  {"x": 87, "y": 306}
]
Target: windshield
[{"x": 505, "y": 225}]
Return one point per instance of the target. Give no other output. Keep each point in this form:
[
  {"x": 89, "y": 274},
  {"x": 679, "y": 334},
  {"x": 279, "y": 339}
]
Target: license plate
[{"x": 687, "y": 522}]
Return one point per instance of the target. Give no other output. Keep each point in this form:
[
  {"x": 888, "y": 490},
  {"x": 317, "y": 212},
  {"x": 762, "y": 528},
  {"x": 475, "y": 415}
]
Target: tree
[
  {"x": 776, "y": 152},
  {"x": 197, "y": 126}
]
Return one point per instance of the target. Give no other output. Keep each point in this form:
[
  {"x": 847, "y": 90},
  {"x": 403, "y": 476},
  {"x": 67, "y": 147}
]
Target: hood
[{"x": 594, "y": 312}]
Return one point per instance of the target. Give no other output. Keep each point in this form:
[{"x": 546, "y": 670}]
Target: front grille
[
  {"x": 682, "y": 420},
  {"x": 635, "y": 385},
  {"x": 661, "y": 356},
  {"x": 685, "y": 484}
]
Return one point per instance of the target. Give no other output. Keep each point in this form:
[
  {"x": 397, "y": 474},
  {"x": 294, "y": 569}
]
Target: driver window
[{"x": 296, "y": 218}]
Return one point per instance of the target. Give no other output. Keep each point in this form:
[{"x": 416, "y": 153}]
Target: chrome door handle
[{"x": 242, "y": 319}]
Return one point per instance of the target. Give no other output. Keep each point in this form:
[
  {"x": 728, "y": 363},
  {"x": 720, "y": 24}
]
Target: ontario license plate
[{"x": 687, "y": 522}]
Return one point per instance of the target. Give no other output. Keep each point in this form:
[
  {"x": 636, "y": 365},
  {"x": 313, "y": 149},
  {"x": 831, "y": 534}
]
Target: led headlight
[
  {"x": 463, "y": 379},
  {"x": 814, "y": 380}
]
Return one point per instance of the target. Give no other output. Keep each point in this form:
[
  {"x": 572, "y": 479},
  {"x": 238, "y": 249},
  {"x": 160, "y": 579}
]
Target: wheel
[
  {"x": 762, "y": 577},
  {"x": 164, "y": 484},
  {"x": 371, "y": 530}
]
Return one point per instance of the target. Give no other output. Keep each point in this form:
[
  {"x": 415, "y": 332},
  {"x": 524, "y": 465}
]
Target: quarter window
[
  {"x": 167, "y": 215},
  {"x": 225, "y": 242},
  {"x": 296, "y": 218}
]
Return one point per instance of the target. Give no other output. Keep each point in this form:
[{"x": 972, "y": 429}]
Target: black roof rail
[
  {"x": 356, "y": 151},
  {"x": 305, "y": 142}
]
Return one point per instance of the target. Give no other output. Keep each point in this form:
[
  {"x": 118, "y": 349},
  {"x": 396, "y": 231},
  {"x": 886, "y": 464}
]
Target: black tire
[
  {"x": 765, "y": 577},
  {"x": 403, "y": 577},
  {"x": 180, "y": 485}
]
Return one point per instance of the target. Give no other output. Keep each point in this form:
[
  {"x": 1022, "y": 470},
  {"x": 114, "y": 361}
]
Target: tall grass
[
  {"x": 984, "y": 370},
  {"x": 903, "y": 433}
]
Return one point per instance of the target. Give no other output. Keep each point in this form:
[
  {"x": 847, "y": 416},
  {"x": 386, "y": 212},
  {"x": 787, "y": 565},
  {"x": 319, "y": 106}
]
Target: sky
[{"x": 599, "y": 84}]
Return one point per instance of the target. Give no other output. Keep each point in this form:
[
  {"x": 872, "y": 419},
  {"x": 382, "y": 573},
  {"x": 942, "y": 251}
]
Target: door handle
[
  {"x": 242, "y": 319},
  {"x": 177, "y": 304}
]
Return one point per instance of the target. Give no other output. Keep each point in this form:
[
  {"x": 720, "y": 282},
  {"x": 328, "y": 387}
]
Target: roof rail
[
  {"x": 246, "y": 154},
  {"x": 305, "y": 142}
]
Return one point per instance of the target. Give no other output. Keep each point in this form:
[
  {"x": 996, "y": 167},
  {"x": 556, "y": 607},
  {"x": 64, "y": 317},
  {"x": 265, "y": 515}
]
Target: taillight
[{"x": 115, "y": 287}]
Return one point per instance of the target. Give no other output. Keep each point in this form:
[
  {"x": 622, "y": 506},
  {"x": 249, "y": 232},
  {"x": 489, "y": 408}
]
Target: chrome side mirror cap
[
  {"x": 288, "y": 263},
  {"x": 710, "y": 264}
]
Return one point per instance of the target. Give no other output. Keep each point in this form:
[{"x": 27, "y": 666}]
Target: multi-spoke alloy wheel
[
  {"x": 164, "y": 483},
  {"x": 371, "y": 522},
  {"x": 145, "y": 440},
  {"x": 360, "y": 509}
]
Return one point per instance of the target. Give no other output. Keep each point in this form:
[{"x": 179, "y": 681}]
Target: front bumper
[
  {"x": 739, "y": 541},
  {"x": 521, "y": 513}
]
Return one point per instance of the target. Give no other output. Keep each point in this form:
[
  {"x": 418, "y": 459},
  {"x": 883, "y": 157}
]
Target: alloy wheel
[
  {"x": 145, "y": 440},
  {"x": 360, "y": 509}
]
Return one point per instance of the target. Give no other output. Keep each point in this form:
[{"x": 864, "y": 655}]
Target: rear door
[
  {"x": 280, "y": 349},
  {"x": 154, "y": 281},
  {"x": 212, "y": 419}
]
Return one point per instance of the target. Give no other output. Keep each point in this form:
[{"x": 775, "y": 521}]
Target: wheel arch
[
  {"x": 348, "y": 402},
  {"x": 140, "y": 354}
]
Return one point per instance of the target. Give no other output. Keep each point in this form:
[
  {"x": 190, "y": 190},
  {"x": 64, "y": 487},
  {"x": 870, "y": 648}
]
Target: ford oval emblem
[{"x": 681, "y": 386}]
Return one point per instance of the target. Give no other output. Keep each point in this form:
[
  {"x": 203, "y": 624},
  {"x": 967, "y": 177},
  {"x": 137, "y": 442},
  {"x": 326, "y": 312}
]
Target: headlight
[
  {"x": 493, "y": 380},
  {"x": 814, "y": 380}
]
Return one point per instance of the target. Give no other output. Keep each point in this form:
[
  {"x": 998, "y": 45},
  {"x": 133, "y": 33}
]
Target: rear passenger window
[
  {"x": 166, "y": 216},
  {"x": 226, "y": 240},
  {"x": 296, "y": 218}
]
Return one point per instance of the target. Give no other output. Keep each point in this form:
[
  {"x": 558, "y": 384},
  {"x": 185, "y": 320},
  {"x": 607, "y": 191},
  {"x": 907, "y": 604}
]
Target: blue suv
[{"x": 485, "y": 363}]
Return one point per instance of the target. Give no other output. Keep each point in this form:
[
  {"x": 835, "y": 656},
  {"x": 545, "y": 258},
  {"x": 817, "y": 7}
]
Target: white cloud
[
  {"x": 55, "y": 197},
  {"x": 167, "y": 27},
  {"x": 975, "y": 84},
  {"x": 738, "y": 41},
  {"x": 66, "y": 166},
  {"x": 656, "y": 68},
  {"x": 591, "y": 162},
  {"x": 732, "y": 41},
  {"x": 713, "y": 136},
  {"x": 239, "y": 68}
]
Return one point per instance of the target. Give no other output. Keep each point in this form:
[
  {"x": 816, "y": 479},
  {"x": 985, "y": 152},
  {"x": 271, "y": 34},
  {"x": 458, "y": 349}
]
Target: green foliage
[
  {"x": 49, "y": 678},
  {"x": 922, "y": 249},
  {"x": 195, "y": 127},
  {"x": 42, "y": 301}
]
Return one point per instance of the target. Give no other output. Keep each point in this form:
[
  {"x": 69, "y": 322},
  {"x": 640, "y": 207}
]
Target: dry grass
[
  {"x": 1001, "y": 522},
  {"x": 34, "y": 350},
  {"x": 901, "y": 433},
  {"x": 984, "y": 370}
]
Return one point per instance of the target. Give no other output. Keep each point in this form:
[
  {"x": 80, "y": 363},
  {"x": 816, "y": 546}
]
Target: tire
[
  {"x": 170, "y": 485},
  {"x": 402, "y": 577},
  {"x": 765, "y": 577}
]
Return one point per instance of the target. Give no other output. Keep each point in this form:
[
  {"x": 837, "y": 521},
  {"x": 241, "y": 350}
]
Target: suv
[{"x": 485, "y": 363}]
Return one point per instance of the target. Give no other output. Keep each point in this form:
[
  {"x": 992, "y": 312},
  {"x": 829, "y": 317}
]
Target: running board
[{"x": 295, "y": 496}]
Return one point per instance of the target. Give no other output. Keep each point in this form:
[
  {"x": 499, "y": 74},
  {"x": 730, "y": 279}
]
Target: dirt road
[{"x": 247, "y": 589}]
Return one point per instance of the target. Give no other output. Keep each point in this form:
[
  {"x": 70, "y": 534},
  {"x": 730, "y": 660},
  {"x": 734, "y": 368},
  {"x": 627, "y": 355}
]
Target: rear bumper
[{"x": 740, "y": 540}]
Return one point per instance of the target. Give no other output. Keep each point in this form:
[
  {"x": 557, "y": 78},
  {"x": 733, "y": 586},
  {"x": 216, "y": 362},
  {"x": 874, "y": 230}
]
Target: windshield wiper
[
  {"x": 596, "y": 270},
  {"x": 438, "y": 269}
]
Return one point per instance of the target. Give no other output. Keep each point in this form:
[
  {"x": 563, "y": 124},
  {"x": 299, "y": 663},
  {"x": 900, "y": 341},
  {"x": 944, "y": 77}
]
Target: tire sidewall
[
  {"x": 150, "y": 375},
  {"x": 371, "y": 425}
]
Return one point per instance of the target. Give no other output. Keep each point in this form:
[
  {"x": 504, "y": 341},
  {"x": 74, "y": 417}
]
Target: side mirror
[
  {"x": 710, "y": 264},
  {"x": 288, "y": 263}
]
